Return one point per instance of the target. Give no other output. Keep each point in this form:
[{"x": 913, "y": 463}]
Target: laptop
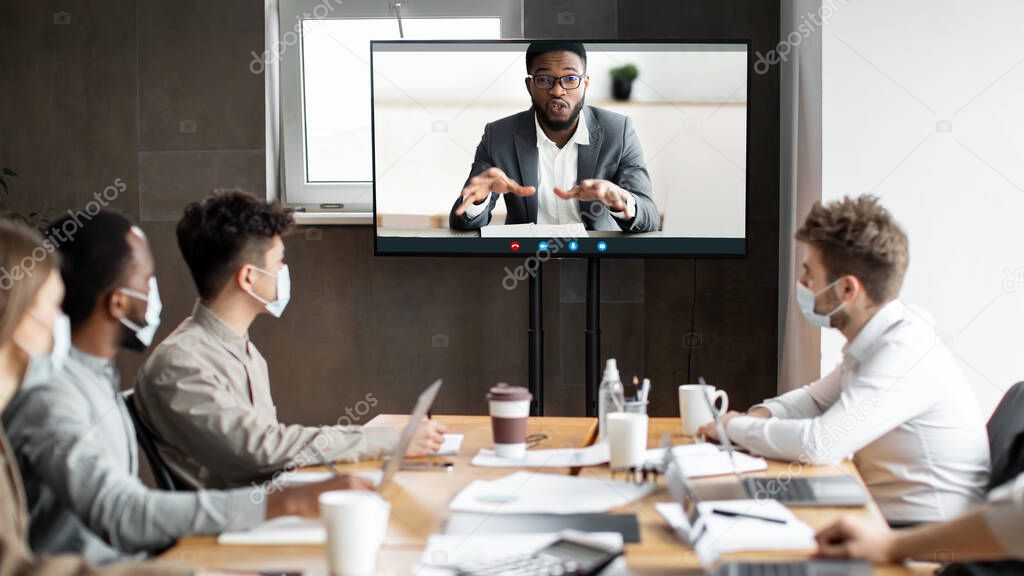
[
  {"x": 394, "y": 462},
  {"x": 832, "y": 491},
  {"x": 683, "y": 492}
]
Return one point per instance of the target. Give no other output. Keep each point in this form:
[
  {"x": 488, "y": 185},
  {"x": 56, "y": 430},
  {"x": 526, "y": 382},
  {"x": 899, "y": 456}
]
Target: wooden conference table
[{"x": 419, "y": 503}]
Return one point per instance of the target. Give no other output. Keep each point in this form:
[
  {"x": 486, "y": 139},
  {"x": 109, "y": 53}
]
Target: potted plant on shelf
[
  {"x": 33, "y": 219},
  {"x": 622, "y": 81}
]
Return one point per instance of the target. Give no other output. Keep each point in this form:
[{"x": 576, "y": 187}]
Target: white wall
[{"x": 923, "y": 105}]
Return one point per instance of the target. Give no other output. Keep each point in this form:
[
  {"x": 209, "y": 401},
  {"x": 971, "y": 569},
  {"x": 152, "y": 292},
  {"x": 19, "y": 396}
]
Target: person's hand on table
[
  {"x": 608, "y": 193},
  {"x": 861, "y": 537},
  {"x": 479, "y": 188},
  {"x": 710, "y": 431},
  {"x": 428, "y": 438},
  {"x": 302, "y": 499}
]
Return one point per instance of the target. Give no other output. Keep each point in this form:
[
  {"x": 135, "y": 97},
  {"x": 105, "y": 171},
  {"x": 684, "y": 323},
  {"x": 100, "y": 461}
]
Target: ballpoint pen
[{"x": 732, "y": 514}]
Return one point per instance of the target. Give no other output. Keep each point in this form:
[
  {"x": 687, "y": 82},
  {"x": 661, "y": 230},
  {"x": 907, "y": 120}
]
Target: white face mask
[
  {"x": 42, "y": 367},
  {"x": 805, "y": 300},
  {"x": 284, "y": 291},
  {"x": 145, "y": 334}
]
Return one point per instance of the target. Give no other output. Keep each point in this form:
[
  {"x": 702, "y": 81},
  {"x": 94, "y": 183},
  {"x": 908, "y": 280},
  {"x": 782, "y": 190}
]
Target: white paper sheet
[
  {"x": 534, "y": 493},
  {"x": 698, "y": 460},
  {"x": 451, "y": 446},
  {"x": 282, "y": 531},
  {"x": 551, "y": 458},
  {"x": 308, "y": 477},
  {"x": 547, "y": 231},
  {"x": 446, "y": 550},
  {"x": 737, "y": 534}
]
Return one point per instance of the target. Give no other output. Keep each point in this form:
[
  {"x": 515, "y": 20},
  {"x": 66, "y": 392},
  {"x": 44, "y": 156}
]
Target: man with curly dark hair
[
  {"x": 205, "y": 391},
  {"x": 898, "y": 402}
]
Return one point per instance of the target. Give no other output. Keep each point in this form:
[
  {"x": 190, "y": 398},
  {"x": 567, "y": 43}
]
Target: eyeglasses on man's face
[{"x": 568, "y": 82}]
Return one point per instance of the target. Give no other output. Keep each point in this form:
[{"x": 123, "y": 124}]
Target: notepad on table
[
  {"x": 705, "y": 459},
  {"x": 551, "y": 458},
  {"x": 743, "y": 534},
  {"x": 281, "y": 531},
  {"x": 535, "y": 493}
]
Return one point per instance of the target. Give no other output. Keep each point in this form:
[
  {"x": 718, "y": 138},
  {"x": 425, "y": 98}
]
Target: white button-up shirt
[
  {"x": 558, "y": 167},
  {"x": 900, "y": 404}
]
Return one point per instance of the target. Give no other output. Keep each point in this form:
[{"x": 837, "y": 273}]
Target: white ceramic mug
[
  {"x": 627, "y": 439},
  {"x": 693, "y": 410},
  {"x": 356, "y": 522}
]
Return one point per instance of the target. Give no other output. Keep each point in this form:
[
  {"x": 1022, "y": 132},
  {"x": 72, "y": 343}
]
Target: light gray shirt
[
  {"x": 76, "y": 447},
  {"x": 205, "y": 393}
]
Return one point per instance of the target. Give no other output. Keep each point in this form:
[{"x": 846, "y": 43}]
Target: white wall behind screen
[{"x": 923, "y": 105}]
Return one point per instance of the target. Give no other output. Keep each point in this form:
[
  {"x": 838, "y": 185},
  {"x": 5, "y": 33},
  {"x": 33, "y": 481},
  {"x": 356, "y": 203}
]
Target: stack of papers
[
  {"x": 548, "y": 231},
  {"x": 738, "y": 534},
  {"x": 445, "y": 551},
  {"x": 533, "y": 493},
  {"x": 554, "y": 458},
  {"x": 706, "y": 459}
]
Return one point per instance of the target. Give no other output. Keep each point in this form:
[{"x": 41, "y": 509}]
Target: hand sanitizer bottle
[{"x": 610, "y": 397}]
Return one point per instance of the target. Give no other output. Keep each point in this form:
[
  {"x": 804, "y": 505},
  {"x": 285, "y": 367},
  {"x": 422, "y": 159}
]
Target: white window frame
[{"x": 293, "y": 138}]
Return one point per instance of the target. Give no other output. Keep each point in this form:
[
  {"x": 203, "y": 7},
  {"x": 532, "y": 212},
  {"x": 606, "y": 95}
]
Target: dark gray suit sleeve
[
  {"x": 482, "y": 161},
  {"x": 52, "y": 432},
  {"x": 632, "y": 176}
]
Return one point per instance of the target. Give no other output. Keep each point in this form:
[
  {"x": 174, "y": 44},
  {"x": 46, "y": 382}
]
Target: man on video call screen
[{"x": 561, "y": 161}]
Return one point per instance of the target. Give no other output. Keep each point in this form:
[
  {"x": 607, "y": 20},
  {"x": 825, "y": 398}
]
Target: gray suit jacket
[{"x": 614, "y": 154}]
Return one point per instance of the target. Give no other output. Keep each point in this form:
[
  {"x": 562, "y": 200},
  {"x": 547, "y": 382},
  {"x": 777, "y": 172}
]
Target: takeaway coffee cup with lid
[{"x": 510, "y": 408}]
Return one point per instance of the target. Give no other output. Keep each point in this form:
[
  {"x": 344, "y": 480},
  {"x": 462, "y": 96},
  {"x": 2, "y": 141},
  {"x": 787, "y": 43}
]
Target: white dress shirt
[
  {"x": 900, "y": 404},
  {"x": 557, "y": 167}
]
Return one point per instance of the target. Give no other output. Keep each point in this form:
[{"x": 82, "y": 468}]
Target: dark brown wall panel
[{"x": 103, "y": 97}]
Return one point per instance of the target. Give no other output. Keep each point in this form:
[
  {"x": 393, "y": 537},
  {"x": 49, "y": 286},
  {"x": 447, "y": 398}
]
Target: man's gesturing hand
[
  {"x": 490, "y": 180},
  {"x": 601, "y": 190}
]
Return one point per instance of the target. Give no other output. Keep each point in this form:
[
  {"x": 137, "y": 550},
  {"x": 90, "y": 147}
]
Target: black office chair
[
  {"x": 1006, "y": 437},
  {"x": 161, "y": 473},
  {"x": 1006, "y": 449}
]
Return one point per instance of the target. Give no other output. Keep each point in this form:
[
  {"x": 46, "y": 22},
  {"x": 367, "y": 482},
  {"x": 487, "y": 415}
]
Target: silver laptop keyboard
[
  {"x": 791, "y": 490},
  {"x": 772, "y": 569}
]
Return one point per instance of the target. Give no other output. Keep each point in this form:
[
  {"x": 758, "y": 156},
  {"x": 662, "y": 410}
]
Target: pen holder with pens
[{"x": 635, "y": 406}]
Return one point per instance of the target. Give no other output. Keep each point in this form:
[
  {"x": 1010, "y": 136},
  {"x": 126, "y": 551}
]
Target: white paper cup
[
  {"x": 356, "y": 522},
  {"x": 509, "y": 407},
  {"x": 693, "y": 410},
  {"x": 627, "y": 439}
]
